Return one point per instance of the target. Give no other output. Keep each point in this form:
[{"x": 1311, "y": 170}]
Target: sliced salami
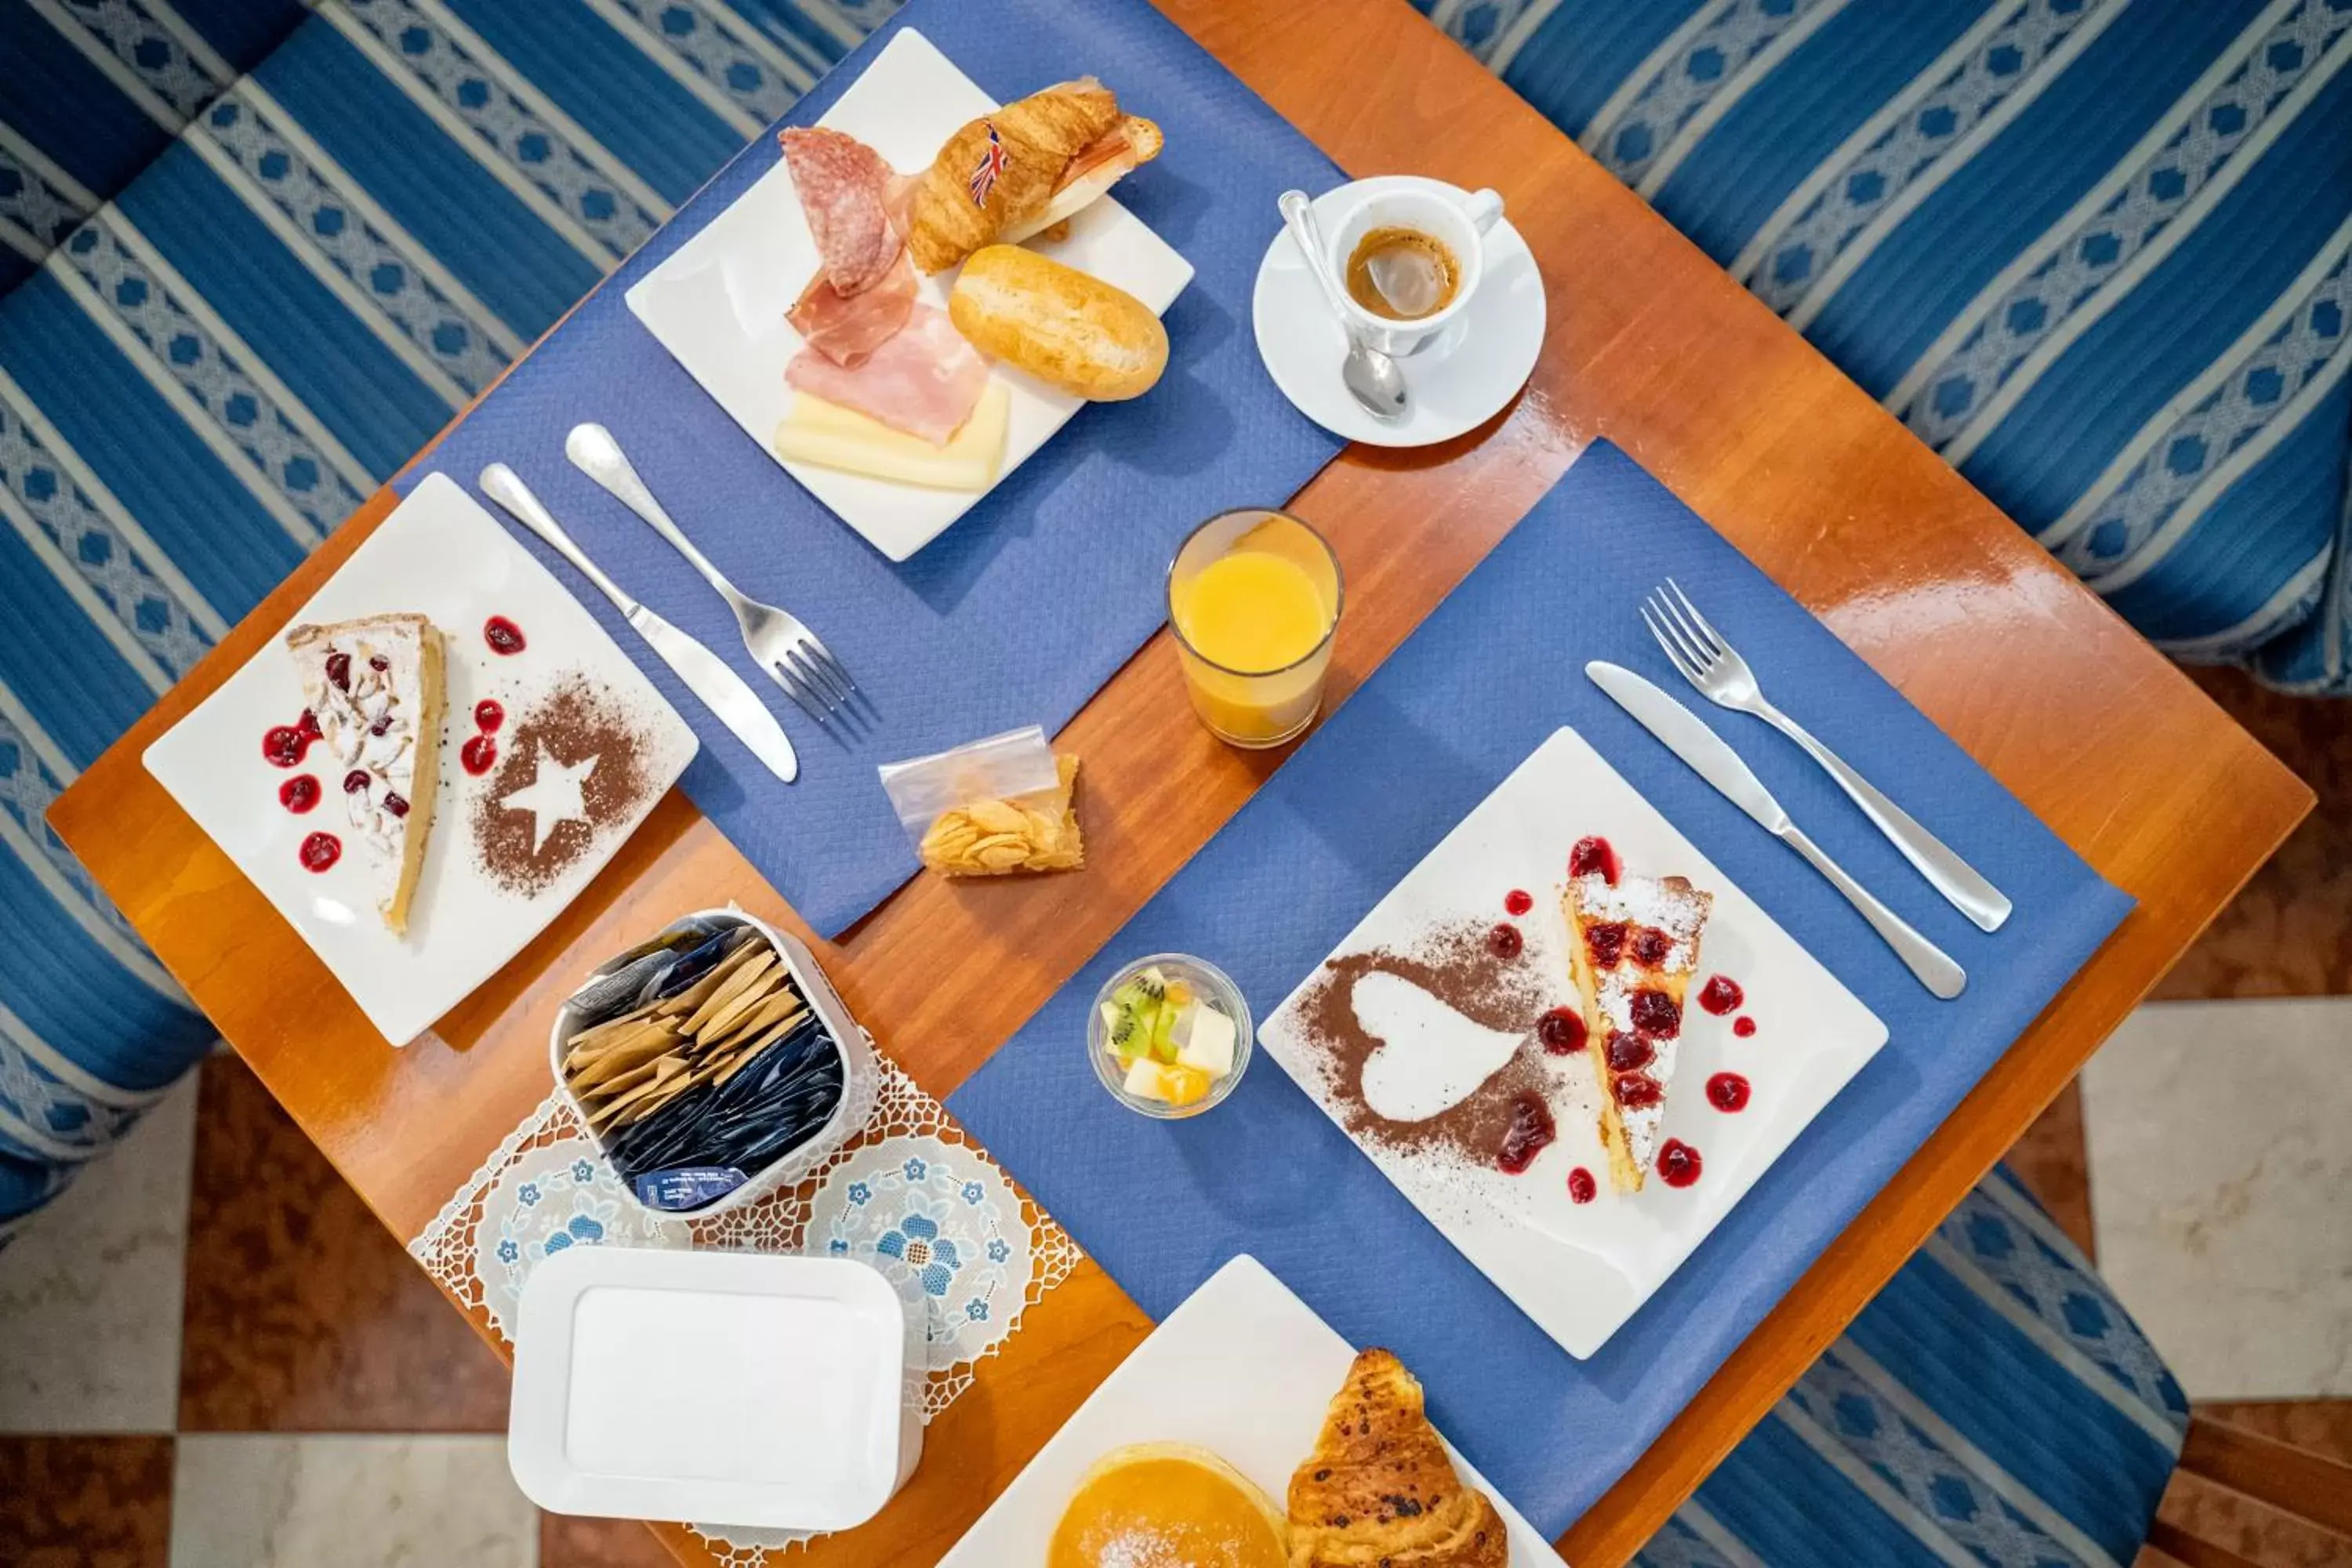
[{"x": 844, "y": 187}]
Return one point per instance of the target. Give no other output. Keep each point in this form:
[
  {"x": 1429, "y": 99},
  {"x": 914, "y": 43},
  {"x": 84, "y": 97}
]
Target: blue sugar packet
[{"x": 688, "y": 1186}]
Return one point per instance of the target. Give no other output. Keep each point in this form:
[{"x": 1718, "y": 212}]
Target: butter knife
[
  {"x": 1687, "y": 736},
  {"x": 720, "y": 689}
]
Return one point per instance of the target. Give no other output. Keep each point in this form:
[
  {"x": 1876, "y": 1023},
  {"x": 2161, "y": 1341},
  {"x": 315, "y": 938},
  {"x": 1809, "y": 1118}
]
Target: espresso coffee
[{"x": 1402, "y": 274}]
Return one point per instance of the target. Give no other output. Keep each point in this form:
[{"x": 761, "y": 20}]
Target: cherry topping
[
  {"x": 1650, "y": 946},
  {"x": 1625, "y": 1052},
  {"x": 381, "y": 725},
  {"x": 298, "y": 794},
  {"x": 378, "y": 663},
  {"x": 339, "y": 670},
  {"x": 488, "y": 716},
  {"x": 1531, "y": 1128},
  {"x": 393, "y": 804},
  {"x": 1517, "y": 901},
  {"x": 1582, "y": 1188},
  {"x": 1638, "y": 1089},
  {"x": 1607, "y": 942},
  {"x": 1655, "y": 1013},
  {"x": 503, "y": 636},
  {"x": 1743, "y": 1025},
  {"x": 1721, "y": 994},
  {"x": 1561, "y": 1030},
  {"x": 355, "y": 781},
  {"x": 479, "y": 754},
  {"x": 1504, "y": 941},
  {"x": 283, "y": 745},
  {"x": 1727, "y": 1091},
  {"x": 308, "y": 725},
  {"x": 1592, "y": 855},
  {"x": 320, "y": 850},
  {"x": 1678, "y": 1164}
]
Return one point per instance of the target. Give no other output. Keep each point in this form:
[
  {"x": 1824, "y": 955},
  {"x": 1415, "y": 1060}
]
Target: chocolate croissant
[
  {"x": 1378, "y": 1490},
  {"x": 1011, "y": 173}
]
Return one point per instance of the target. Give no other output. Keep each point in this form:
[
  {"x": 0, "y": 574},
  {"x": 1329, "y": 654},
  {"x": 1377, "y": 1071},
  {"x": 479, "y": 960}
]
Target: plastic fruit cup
[{"x": 1212, "y": 985}]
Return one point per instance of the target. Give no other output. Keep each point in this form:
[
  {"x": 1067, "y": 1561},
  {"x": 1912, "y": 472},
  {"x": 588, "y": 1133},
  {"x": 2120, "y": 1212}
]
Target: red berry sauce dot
[
  {"x": 1721, "y": 994},
  {"x": 1517, "y": 901},
  {"x": 282, "y": 745},
  {"x": 308, "y": 725},
  {"x": 488, "y": 716},
  {"x": 1531, "y": 1128},
  {"x": 1505, "y": 941},
  {"x": 1582, "y": 1188},
  {"x": 503, "y": 636},
  {"x": 1727, "y": 1091},
  {"x": 479, "y": 754},
  {"x": 1592, "y": 855},
  {"x": 300, "y": 793},
  {"x": 320, "y": 850},
  {"x": 1678, "y": 1164},
  {"x": 1743, "y": 1025},
  {"x": 1562, "y": 1031}
]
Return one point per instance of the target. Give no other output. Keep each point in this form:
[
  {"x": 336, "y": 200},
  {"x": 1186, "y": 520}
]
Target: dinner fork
[
  {"x": 1708, "y": 661},
  {"x": 779, "y": 643}
]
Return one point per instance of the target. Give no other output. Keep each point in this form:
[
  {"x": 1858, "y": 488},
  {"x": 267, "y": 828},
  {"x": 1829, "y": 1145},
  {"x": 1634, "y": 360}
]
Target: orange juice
[{"x": 1254, "y": 596}]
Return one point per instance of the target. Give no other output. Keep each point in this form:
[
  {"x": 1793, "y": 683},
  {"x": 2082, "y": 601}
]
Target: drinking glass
[{"x": 1255, "y": 633}]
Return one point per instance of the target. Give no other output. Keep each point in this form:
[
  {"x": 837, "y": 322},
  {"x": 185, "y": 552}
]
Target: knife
[
  {"x": 1687, "y": 736},
  {"x": 721, "y": 690}
]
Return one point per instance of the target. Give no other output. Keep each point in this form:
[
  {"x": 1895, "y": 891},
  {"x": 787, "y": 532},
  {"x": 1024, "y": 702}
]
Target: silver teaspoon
[{"x": 1371, "y": 376}]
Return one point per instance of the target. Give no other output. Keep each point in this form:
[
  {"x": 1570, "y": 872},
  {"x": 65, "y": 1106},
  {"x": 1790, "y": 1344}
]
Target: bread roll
[{"x": 1062, "y": 326}]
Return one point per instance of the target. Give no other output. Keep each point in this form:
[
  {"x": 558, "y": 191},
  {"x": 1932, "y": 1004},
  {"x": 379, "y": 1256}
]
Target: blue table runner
[
  {"x": 1021, "y": 611},
  {"x": 1490, "y": 674}
]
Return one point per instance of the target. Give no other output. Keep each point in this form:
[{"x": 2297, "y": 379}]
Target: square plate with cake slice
[
  {"x": 434, "y": 757},
  {"x": 1571, "y": 1041},
  {"x": 1246, "y": 1370}
]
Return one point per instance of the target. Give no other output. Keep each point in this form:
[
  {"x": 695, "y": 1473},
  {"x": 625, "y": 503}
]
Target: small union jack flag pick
[{"x": 992, "y": 160}]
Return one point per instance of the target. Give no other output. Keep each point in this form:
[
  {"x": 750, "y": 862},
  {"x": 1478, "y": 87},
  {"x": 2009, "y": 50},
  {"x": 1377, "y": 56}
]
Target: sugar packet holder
[
  {"x": 999, "y": 804},
  {"x": 703, "y": 1190}
]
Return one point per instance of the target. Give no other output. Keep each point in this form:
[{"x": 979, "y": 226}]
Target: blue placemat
[
  {"x": 1486, "y": 678},
  {"x": 1021, "y": 611}
]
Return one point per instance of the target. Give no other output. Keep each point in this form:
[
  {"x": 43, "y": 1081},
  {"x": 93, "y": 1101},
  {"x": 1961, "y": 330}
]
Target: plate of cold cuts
[{"x": 924, "y": 289}]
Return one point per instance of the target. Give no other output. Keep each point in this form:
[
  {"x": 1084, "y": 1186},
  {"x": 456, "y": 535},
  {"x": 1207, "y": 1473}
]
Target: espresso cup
[{"x": 1456, "y": 219}]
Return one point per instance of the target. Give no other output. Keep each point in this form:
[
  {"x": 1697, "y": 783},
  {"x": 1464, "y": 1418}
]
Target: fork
[
  {"x": 1708, "y": 661},
  {"x": 779, "y": 643}
]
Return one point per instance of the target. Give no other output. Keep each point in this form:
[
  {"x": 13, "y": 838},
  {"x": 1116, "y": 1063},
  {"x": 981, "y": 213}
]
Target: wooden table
[{"x": 1649, "y": 345}]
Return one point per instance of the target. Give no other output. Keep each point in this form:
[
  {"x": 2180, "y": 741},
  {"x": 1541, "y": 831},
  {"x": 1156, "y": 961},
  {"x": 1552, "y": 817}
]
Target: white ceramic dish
[
  {"x": 441, "y": 554},
  {"x": 717, "y": 304},
  {"x": 860, "y": 1074},
  {"x": 752, "y": 1388},
  {"x": 1580, "y": 1270},
  {"x": 1244, "y": 1369},
  {"x": 1458, "y": 381}
]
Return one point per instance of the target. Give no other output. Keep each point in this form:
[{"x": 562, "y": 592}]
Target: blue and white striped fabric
[
  {"x": 1993, "y": 1407},
  {"x": 2094, "y": 252}
]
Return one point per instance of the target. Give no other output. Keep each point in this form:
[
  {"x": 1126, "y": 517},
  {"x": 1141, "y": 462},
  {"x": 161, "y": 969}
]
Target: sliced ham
[
  {"x": 846, "y": 327},
  {"x": 844, "y": 190},
  {"x": 924, "y": 379}
]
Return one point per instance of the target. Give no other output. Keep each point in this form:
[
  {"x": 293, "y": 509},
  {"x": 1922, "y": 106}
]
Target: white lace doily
[{"x": 909, "y": 1193}]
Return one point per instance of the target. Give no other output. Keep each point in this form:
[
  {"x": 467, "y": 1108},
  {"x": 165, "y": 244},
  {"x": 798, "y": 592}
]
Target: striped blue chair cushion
[
  {"x": 2094, "y": 252},
  {"x": 1993, "y": 1407}
]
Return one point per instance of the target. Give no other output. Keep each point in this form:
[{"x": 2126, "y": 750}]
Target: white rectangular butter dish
[{"x": 736, "y": 1387}]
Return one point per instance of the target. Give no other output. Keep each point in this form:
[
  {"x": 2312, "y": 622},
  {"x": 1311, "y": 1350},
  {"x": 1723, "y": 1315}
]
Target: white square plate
[
  {"x": 439, "y": 554},
  {"x": 1579, "y": 1270},
  {"x": 1244, "y": 1369},
  {"x": 717, "y": 304}
]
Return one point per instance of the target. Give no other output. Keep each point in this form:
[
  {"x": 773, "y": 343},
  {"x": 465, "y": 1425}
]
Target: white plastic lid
[{"x": 745, "y": 1387}]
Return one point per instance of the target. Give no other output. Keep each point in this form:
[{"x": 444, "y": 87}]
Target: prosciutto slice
[
  {"x": 924, "y": 379},
  {"x": 844, "y": 190},
  {"x": 846, "y": 327}
]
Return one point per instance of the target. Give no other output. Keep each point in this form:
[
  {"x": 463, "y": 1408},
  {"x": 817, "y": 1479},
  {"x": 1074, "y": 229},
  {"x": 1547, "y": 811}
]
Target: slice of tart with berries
[
  {"x": 1634, "y": 948},
  {"x": 376, "y": 686}
]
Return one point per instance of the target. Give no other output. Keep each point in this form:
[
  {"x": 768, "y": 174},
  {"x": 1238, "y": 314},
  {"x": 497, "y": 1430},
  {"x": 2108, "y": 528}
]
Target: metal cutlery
[
  {"x": 1686, "y": 735},
  {"x": 1372, "y": 378},
  {"x": 1708, "y": 661},
  {"x": 779, "y": 643},
  {"x": 719, "y": 689}
]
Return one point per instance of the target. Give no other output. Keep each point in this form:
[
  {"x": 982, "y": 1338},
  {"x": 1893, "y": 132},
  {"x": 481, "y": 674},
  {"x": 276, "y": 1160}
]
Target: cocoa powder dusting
[
  {"x": 573, "y": 721},
  {"x": 1456, "y": 964}
]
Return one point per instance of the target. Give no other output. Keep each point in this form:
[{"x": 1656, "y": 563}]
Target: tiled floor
[{"x": 213, "y": 1356}]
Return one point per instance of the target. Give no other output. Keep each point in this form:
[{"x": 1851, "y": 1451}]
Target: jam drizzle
[
  {"x": 1678, "y": 1164},
  {"x": 1592, "y": 855},
  {"x": 1744, "y": 1026},
  {"x": 1721, "y": 994},
  {"x": 1517, "y": 901},
  {"x": 1531, "y": 1130},
  {"x": 504, "y": 636},
  {"x": 1728, "y": 1092},
  {"x": 1562, "y": 1031},
  {"x": 1582, "y": 1188},
  {"x": 298, "y": 794},
  {"x": 320, "y": 850}
]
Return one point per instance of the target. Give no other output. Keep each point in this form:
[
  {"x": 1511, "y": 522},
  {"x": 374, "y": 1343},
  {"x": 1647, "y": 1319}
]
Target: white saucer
[{"x": 1457, "y": 382}]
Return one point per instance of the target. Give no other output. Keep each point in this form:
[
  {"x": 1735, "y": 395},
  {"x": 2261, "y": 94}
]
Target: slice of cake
[
  {"x": 1636, "y": 948},
  {"x": 374, "y": 686}
]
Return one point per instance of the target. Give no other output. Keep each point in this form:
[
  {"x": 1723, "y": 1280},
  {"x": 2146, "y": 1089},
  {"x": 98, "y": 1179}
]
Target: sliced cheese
[{"x": 832, "y": 437}]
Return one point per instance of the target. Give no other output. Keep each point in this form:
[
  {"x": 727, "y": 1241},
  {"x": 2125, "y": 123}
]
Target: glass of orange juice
[{"x": 1253, "y": 597}]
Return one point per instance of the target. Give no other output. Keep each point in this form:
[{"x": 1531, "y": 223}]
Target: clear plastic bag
[{"x": 996, "y": 806}]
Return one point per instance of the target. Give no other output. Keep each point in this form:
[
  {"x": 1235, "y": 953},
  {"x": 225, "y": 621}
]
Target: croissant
[
  {"x": 1379, "y": 1491},
  {"x": 999, "y": 178}
]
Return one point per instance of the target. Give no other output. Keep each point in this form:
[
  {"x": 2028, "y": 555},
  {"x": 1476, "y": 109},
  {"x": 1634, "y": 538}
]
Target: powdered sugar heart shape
[{"x": 1431, "y": 1057}]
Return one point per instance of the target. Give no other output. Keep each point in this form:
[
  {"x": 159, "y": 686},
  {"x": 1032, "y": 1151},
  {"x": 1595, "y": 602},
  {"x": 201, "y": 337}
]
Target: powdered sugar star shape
[{"x": 554, "y": 797}]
